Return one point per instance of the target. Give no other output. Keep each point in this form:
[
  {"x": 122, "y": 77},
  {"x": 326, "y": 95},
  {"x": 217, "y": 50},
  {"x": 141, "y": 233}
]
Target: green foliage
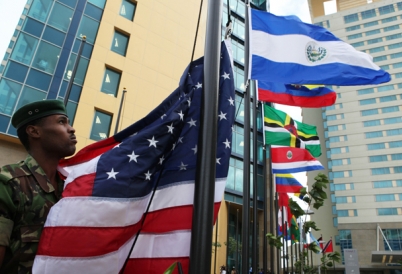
[
  {"x": 217, "y": 244},
  {"x": 309, "y": 224},
  {"x": 275, "y": 240},
  {"x": 232, "y": 247}
]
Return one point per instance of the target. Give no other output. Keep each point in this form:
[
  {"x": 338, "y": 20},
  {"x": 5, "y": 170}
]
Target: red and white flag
[{"x": 292, "y": 160}]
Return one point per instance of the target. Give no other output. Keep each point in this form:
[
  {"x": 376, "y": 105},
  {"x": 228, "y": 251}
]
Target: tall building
[
  {"x": 361, "y": 138},
  {"x": 132, "y": 58}
]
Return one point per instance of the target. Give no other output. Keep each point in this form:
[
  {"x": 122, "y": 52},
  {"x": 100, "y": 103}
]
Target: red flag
[
  {"x": 291, "y": 160},
  {"x": 328, "y": 248}
]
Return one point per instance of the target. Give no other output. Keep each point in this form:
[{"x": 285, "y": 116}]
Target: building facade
[
  {"x": 361, "y": 137},
  {"x": 132, "y": 57}
]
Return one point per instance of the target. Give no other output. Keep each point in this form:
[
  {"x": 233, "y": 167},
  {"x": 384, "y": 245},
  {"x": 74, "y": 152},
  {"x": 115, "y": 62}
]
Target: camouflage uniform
[{"x": 26, "y": 196}]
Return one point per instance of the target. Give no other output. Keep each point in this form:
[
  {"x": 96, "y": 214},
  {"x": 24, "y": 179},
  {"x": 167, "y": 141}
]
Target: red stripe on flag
[
  {"x": 81, "y": 186},
  {"x": 155, "y": 265},
  {"x": 281, "y": 155},
  {"x": 84, "y": 241},
  {"x": 73, "y": 241}
]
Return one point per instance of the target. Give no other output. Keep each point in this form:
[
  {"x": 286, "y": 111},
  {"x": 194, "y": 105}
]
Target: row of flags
[{"x": 129, "y": 198}]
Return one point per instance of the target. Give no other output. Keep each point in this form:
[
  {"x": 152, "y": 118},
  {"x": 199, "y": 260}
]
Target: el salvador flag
[{"x": 285, "y": 50}]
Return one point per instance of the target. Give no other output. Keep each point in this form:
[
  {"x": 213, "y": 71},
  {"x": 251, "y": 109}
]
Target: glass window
[
  {"x": 380, "y": 171},
  {"x": 370, "y": 24},
  {"x": 376, "y": 146},
  {"x": 89, "y": 28},
  {"x": 16, "y": 71},
  {"x": 397, "y": 156},
  {"x": 395, "y": 46},
  {"x": 380, "y": 58},
  {"x": 389, "y": 19},
  {"x": 9, "y": 92},
  {"x": 372, "y": 123},
  {"x": 390, "y": 109},
  {"x": 368, "y": 14},
  {"x": 29, "y": 95},
  {"x": 33, "y": 27},
  {"x": 368, "y": 112},
  {"x": 111, "y": 82},
  {"x": 46, "y": 57},
  {"x": 351, "y": 18},
  {"x": 238, "y": 140},
  {"x": 384, "y": 67},
  {"x": 372, "y": 32},
  {"x": 373, "y": 41},
  {"x": 53, "y": 36},
  {"x": 387, "y": 211},
  {"x": 374, "y": 134},
  {"x": 75, "y": 91},
  {"x": 24, "y": 49},
  {"x": 352, "y": 28},
  {"x": 394, "y": 36},
  {"x": 60, "y": 17},
  {"x": 392, "y": 132},
  {"x": 388, "y": 98},
  {"x": 378, "y": 49},
  {"x": 396, "y": 55},
  {"x": 98, "y": 3},
  {"x": 382, "y": 184},
  {"x": 86, "y": 50},
  {"x": 395, "y": 144},
  {"x": 365, "y": 91},
  {"x": 127, "y": 9},
  {"x": 354, "y": 36},
  {"x": 93, "y": 12},
  {"x": 119, "y": 43},
  {"x": 393, "y": 120},
  {"x": 397, "y": 65},
  {"x": 386, "y": 9},
  {"x": 70, "y": 3},
  {"x": 38, "y": 80},
  {"x": 378, "y": 158},
  {"x": 390, "y": 28},
  {"x": 100, "y": 126},
  {"x": 357, "y": 44},
  {"x": 367, "y": 101},
  {"x": 40, "y": 9}
]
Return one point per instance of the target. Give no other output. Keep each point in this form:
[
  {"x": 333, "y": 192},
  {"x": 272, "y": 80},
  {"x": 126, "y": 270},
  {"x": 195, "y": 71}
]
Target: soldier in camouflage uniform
[{"x": 30, "y": 188}]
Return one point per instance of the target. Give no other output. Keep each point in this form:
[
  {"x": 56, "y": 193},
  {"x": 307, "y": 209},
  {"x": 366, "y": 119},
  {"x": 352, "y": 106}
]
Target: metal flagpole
[
  {"x": 74, "y": 71},
  {"x": 264, "y": 245},
  {"x": 246, "y": 162},
  {"x": 119, "y": 114},
  {"x": 204, "y": 191},
  {"x": 216, "y": 242},
  {"x": 278, "y": 263},
  {"x": 255, "y": 181}
]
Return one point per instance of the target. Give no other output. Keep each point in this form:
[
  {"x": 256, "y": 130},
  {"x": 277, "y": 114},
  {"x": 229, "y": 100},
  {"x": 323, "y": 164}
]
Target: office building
[
  {"x": 132, "y": 58},
  {"x": 361, "y": 138}
]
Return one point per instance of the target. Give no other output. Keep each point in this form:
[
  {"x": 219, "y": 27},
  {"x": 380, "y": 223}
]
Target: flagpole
[
  {"x": 264, "y": 245},
  {"x": 283, "y": 239},
  {"x": 255, "y": 180},
  {"x": 204, "y": 191},
  {"x": 278, "y": 262},
  {"x": 246, "y": 162},
  {"x": 119, "y": 113}
]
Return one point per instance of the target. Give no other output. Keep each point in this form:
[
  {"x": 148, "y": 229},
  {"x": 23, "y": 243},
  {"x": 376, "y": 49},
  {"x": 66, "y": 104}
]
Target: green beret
[{"x": 36, "y": 110}]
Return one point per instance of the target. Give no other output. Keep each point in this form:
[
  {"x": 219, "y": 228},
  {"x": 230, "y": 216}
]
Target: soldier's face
[{"x": 57, "y": 135}]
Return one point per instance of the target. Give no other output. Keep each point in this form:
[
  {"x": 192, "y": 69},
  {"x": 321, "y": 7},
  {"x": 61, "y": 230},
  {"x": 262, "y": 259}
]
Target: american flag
[{"x": 137, "y": 188}]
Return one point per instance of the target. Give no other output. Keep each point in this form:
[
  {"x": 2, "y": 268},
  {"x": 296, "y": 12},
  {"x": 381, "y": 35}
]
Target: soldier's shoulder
[{"x": 11, "y": 171}]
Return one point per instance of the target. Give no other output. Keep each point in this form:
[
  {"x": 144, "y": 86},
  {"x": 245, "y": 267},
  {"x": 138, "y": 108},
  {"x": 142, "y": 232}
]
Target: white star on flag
[
  {"x": 218, "y": 161},
  {"x": 222, "y": 116},
  {"x": 183, "y": 166},
  {"x": 152, "y": 142},
  {"x": 226, "y": 75},
  {"x": 231, "y": 101},
  {"x": 181, "y": 114},
  {"x": 170, "y": 128},
  {"x": 148, "y": 176},
  {"x": 133, "y": 157},
  {"x": 112, "y": 174},
  {"x": 163, "y": 116},
  {"x": 192, "y": 122},
  {"x": 227, "y": 143},
  {"x": 195, "y": 149},
  {"x": 161, "y": 160},
  {"x": 199, "y": 85}
]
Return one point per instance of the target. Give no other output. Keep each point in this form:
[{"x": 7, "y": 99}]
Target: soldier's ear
[{"x": 32, "y": 131}]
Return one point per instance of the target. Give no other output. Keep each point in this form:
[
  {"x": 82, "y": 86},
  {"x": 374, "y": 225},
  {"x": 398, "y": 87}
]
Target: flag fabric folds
[
  {"x": 285, "y": 50},
  {"x": 138, "y": 187},
  {"x": 310, "y": 96},
  {"x": 287, "y": 183},
  {"x": 280, "y": 129},
  {"x": 292, "y": 160},
  {"x": 294, "y": 230}
]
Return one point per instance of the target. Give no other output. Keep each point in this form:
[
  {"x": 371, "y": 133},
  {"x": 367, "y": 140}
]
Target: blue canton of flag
[{"x": 138, "y": 187}]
